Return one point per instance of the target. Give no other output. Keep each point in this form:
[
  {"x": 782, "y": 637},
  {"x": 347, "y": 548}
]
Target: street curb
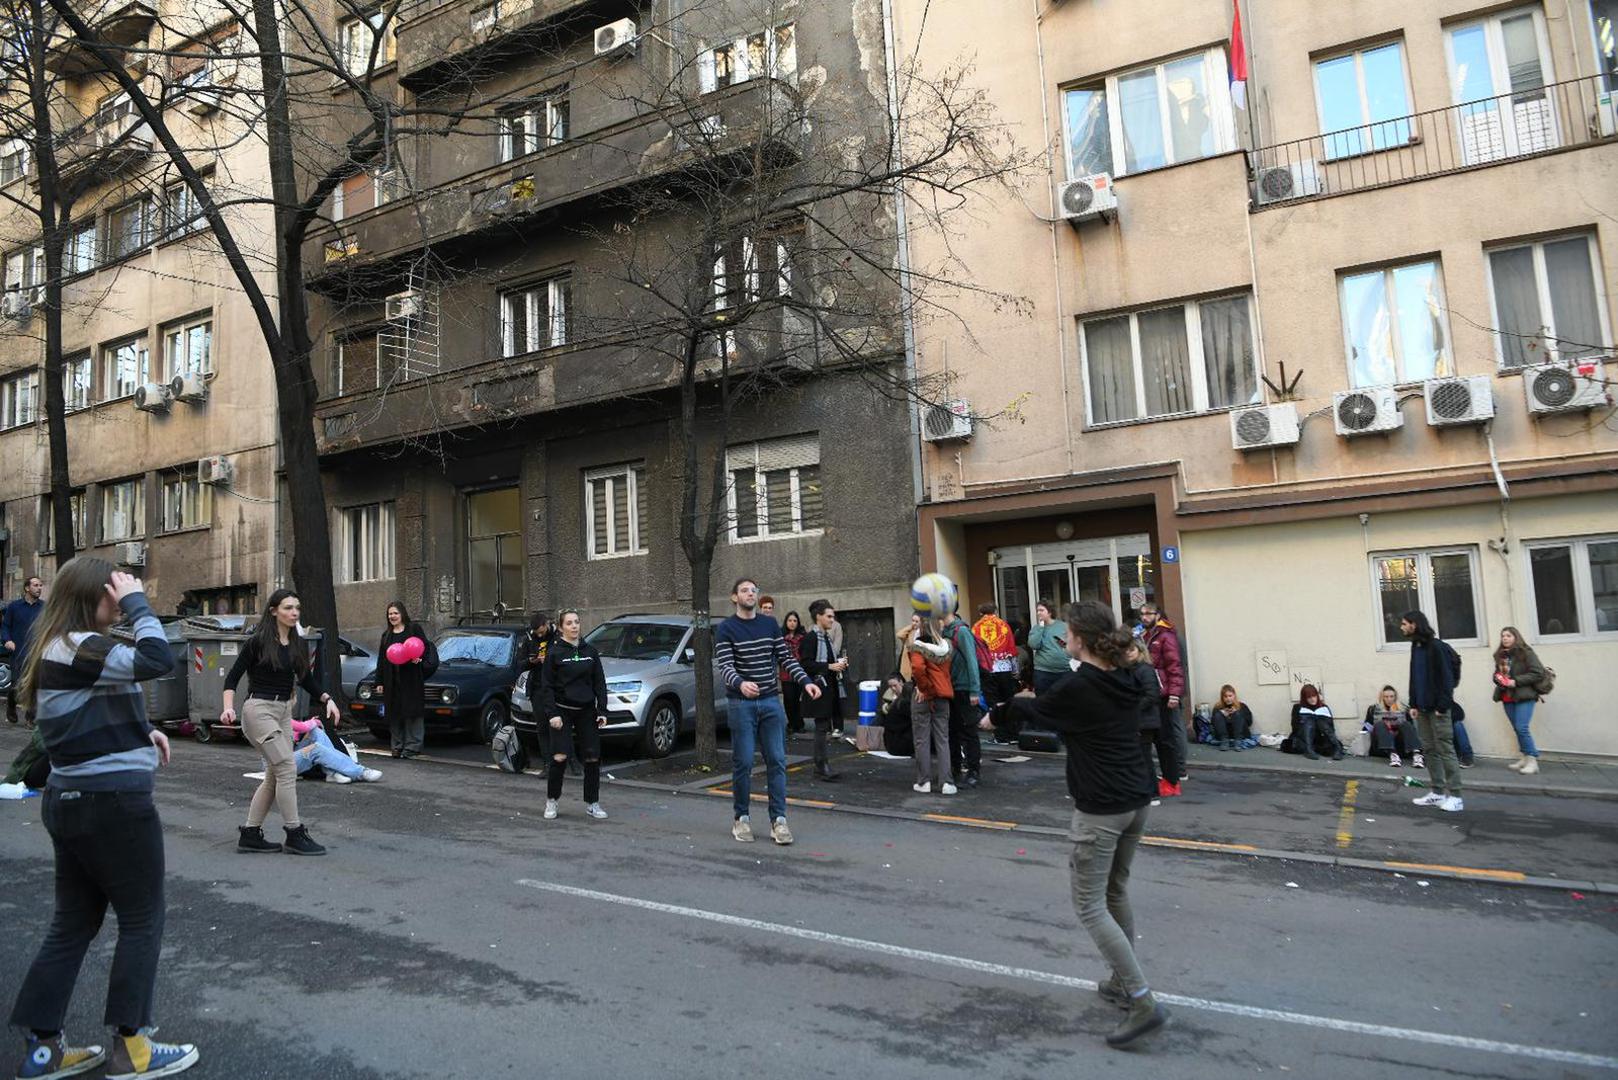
[{"x": 1492, "y": 786}]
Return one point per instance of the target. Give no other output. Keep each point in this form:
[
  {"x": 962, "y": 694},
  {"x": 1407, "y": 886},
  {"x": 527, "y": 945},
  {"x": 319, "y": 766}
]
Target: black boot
[
  {"x": 1145, "y": 1016},
  {"x": 823, "y": 772},
  {"x": 971, "y": 778},
  {"x": 252, "y": 840},
  {"x": 1306, "y": 729},
  {"x": 299, "y": 842}
]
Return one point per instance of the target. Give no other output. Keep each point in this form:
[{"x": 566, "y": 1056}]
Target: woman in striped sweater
[{"x": 83, "y": 690}]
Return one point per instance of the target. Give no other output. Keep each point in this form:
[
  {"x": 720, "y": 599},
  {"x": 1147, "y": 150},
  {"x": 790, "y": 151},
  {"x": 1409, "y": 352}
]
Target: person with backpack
[
  {"x": 997, "y": 667},
  {"x": 965, "y": 748},
  {"x": 926, "y": 662},
  {"x": 1520, "y": 680},
  {"x": 1435, "y": 668}
]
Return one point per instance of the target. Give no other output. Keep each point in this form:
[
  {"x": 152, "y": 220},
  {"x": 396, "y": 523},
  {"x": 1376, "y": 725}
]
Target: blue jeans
[
  {"x": 1520, "y": 713},
  {"x": 759, "y": 723},
  {"x": 316, "y": 748},
  {"x": 1463, "y": 743}
]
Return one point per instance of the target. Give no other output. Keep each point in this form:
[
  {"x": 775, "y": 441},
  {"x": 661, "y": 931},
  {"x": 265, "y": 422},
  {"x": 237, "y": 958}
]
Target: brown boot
[{"x": 1145, "y": 1017}]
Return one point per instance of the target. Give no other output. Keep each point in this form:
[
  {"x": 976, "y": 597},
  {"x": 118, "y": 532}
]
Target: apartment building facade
[
  {"x": 1300, "y": 363},
  {"x": 170, "y": 422},
  {"x": 499, "y": 429}
]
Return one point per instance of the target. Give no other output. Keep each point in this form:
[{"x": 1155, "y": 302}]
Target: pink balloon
[
  {"x": 396, "y": 653},
  {"x": 415, "y": 648}
]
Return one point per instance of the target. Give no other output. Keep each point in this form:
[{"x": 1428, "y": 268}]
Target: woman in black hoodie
[
  {"x": 1096, "y": 711},
  {"x": 573, "y": 693}
]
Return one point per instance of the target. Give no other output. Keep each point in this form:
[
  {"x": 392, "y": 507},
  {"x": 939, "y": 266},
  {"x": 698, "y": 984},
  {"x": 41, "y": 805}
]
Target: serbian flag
[{"x": 1238, "y": 59}]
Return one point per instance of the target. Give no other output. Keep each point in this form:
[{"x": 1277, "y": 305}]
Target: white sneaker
[
  {"x": 1417, "y": 762},
  {"x": 595, "y": 811},
  {"x": 780, "y": 832},
  {"x": 742, "y": 830},
  {"x": 923, "y": 788},
  {"x": 1452, "y": 804},
  {"x": 1393, "y": 759},
  {"x": 1432, "y": 798},
  {"x": 550, "y": 809},
  {"x": 948, "y": 788},
  {"x": 371, "y": 776},
  {"x": 338, "y": 778}
]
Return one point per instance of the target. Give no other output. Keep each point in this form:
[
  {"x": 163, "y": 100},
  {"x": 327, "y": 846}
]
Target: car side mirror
[{"x": 689, "y": 656}]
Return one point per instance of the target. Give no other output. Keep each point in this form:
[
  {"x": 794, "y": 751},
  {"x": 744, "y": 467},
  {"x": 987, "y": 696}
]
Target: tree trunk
[{"x": 702, "y": 639}]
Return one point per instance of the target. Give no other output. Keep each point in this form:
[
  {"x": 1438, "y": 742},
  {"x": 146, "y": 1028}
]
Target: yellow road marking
[
  {"x": 980, "y": 823},
  {"x": 1195, "y": 845},
  {"x": 1345, "y": 816},
  {"x": 1497, "y": 875}
]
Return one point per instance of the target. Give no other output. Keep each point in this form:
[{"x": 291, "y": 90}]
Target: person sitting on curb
[
  {"x": 1313, "y": 732},
  {"x": 314, "y": 747},
  {"x": 1392, "y": 730},
  {"x": 1232, "y": 721}
]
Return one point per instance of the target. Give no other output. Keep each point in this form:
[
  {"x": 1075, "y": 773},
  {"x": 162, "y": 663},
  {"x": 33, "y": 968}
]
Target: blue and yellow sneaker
[
  {"x": 47, "y": 1059},
  {"x": 138, "y": 1055}
]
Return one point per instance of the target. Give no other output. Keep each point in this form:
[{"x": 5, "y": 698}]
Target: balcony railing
[{"x": 1474, "y": 135}]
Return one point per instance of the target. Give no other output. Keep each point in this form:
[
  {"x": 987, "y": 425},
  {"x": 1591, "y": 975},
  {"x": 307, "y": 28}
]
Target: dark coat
[
  {"x": 1527, "y": 672},
  {"x": 403, "y": 685},
  {"x": 823, "y": 707}
]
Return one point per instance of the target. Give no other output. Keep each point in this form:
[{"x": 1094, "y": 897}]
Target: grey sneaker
[
  {"x": 550, "y": 809},
  {"x": 371, "y": 776},
  {"x": 742, "y": 830},
  {"x": 595, "y": 811},
  {"x": 338, "y": 778},
  {"x": 1113, "y": 993},
  {"x": 780, "y": 832}
]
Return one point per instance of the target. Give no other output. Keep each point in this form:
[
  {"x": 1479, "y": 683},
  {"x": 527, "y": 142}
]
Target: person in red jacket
[
  {"x": 1163, "y": 649},
  {"x": 997, "y": 667}
]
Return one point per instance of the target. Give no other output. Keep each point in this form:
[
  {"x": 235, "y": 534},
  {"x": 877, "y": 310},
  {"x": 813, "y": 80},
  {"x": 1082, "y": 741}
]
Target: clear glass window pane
[
  {"x": 495, "y": 512},
  {"x": 1368, "y": 327},
  {"x": 1556, "y": 601},
  {"x": 1227, "y": 353},
  {"x": 1089, "y": 137},
  {"x": 778, "y": 501},
  {"x": 1423, "y": 340},
  {"x": 1604, "y": 25},
  {"x": 1386, "y": 98},
  {"x": 1165, "y": 361},
  {"x": 1111, "y": 369},
  {"x": 1604, "y": 583},
  {"x": 1337, "y": 88},
  {"x": 483, "y": 564},
  {"x": 1142, "y": 122},
  {"x": 1470, "y": 76},
  {"x": 1523, "y": 69},
  {"x": 1014, "y": 606},
  {"x": 511, "y": 576},
  {"x": 1191, "y": 129},
  {"x": 1398, "y": 591},
  {"x": 1574, "y": 306},
  {"x": 1516, "y": 305},
  {"x": 1453, "y": 609}
]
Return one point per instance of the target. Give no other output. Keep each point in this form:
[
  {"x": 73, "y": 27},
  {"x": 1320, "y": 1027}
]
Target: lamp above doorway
[{"x": 1064, "y": 530}]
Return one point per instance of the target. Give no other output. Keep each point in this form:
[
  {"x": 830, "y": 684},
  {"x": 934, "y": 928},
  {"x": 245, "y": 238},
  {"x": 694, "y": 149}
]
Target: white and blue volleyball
[{"x": 934, "y": 596}]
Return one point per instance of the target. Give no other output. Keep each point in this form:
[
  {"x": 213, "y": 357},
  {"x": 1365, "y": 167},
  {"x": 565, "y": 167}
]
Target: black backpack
[
  {"x": 1454, "y": 659},
  {"x": 508, "y": 750}
]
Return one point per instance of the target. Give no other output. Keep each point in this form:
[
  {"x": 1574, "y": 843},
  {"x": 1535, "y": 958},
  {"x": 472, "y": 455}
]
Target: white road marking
[{"x": 1251, "y": 1012}]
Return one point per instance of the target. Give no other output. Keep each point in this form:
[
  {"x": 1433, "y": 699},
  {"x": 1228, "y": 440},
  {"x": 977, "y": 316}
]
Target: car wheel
[
  {"x": 490, "y": 720},
  {"x": 662, "y": 728},
  {"x": 381, "y": 734}
]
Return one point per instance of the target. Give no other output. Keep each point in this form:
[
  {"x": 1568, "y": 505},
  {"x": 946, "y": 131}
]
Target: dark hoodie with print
[{"x": 1097, "y": 715}]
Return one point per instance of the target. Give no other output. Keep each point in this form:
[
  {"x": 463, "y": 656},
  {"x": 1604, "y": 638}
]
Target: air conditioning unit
[
  {"x": 202, "y": 102},
  {"x": 1567, "y": 386},
  {"x": 405, "y": 305},
  {"x": 947, "y": 422},
  {"x": 1468, "y": 400},
  {"x": 153, "y": 397},
  {"x": 1370, "y": 411},
  {"x": 215, "y": 470},
  {"x": 189, "y": 387},
  {"x": 1263, "y": 426},
  {"x": 132, "y": 553},
  {"x": 1087, "y": 198},
  {"x": 616, "y": 37},
  {"x": 16, "y": 305},
  {"x": 1279, "y": 183}
]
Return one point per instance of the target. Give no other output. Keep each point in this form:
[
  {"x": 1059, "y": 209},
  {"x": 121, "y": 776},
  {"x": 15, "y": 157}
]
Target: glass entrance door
[
  {"x": 1117, "y": 571},
  {"x": 1055, "y": 584}
]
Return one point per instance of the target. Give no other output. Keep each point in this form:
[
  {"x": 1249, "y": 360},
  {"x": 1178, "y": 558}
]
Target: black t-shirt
[
  {"x": 272, "y": 676},
  {"x": 1097, "y": 715}
]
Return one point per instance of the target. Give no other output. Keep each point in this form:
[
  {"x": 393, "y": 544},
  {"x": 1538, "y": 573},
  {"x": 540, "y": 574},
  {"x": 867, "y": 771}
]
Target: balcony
[
  {"x": 1476, "y": 135},
  {"x": 440, "y": 42},
  {"x": 500, "y": 199},
  {"x": 101, "y": 152},
  {"x": 118, "y": 24}
]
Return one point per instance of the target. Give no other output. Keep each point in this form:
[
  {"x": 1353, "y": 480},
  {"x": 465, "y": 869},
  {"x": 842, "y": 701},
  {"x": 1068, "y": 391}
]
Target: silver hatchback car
[{"x": 651, "y": 683}]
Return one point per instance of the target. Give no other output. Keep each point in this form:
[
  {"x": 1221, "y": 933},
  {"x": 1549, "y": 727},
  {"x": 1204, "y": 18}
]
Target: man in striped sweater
[{"x": 750, "y": 650}]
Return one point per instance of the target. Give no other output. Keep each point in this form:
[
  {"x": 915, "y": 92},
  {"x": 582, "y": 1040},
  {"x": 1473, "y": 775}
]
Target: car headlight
[
  {"x": 447, "y": 694},
  {"x": 626, "y": 687},
  {"x": 366, "y": 691},
  {"x": 521, "y": 686}
]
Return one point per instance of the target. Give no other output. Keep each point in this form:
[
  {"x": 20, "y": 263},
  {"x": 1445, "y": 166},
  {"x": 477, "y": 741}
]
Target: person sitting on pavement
[
  {"x": 894, "y": 710},
  {"x": 1232, "y": 721},
  {"x": 1313, "y": 732},
  {"x": 926, "y": 659},
  {"x": 1392, "y": 731},
  {"x": 314, "y": 747}
]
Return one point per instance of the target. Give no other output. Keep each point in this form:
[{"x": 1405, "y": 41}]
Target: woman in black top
[
  {"x": 403, "y": 685},
  {"x": 274, "y": 659},
  {"x": 1232, "y": 720},
  {"x": 1096, "y": 710},
  {"x": 817, "y": 652},
  {"x": 573, "y": 693}
]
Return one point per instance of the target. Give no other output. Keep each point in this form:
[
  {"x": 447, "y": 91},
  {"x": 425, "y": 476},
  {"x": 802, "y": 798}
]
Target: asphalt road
[{"x": 452, "y": 933}]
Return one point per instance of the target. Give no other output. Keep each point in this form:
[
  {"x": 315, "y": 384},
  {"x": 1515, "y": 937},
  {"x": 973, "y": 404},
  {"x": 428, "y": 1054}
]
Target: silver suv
[{"x": 651, "y": 682}]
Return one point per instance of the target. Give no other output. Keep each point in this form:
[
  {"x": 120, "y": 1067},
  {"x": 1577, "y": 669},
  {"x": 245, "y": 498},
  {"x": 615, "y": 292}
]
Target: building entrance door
[{"x": 1116, "y": 571}]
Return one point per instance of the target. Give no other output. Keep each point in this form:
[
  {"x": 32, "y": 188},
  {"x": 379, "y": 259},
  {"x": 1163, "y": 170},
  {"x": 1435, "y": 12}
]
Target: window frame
[
  {"x": 632, "y": 475},
  {"x": 86, "y": 359},
  {"x": 180, "y": 328},
  {"x": 779, "y": 63},
  {"x": 1216, "y": 74},
  {"x": 353, "y": 59},
  {"x": 733, "y": 457},
  {"x": 81, "y": 253},
  {"x": 30, "y": 261},
  {"x": 1389, "y": 297},
  {"x": 142, "y": 205},
  {"x": 200, "y": 498},
  {"x": 180, "y": 196},
  {"x": 1197, "y": 358},
  {"x": 136, "y": 484},
  {"x": 79, "y": 504},
  {"x": 108, "y": 382},
  {"x": 1583, "y": 585},
  {"x": 551, "y": 107},
  {"x": 1542, "y": 289},
  {"x": 16, "y": 150},
  {"x": 1425, "y": 596},
  {"x": 559, "y": 314},
  {"x": 14, "y": 402},
  {"x": 1366, "y": 123},
  {"x": 340, "y": 342},
  {"x": 383, "y": 560}
]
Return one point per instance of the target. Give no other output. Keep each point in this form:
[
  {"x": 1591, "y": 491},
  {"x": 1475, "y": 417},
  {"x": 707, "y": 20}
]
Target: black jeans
[
  {"x": 1168, "y": 744},
  {"x": 578, "y": 737},
  {"x": 109, "y": 850},
  {"x": 1229, "y": 727},
  {"x": 964, "y": 744}
]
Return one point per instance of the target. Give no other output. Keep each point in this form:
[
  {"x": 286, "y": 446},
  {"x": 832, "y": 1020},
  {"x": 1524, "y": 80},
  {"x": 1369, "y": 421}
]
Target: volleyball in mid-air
[{"x": 934, "y": 595}]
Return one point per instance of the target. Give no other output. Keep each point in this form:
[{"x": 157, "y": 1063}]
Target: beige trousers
[{"x": 267, "y": 725}]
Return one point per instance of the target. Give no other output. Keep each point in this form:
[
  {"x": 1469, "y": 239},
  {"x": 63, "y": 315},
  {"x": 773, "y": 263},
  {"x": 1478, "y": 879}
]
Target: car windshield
[
  {"x": 636, "y": 641},
  {"x": 474, "y": 648}
]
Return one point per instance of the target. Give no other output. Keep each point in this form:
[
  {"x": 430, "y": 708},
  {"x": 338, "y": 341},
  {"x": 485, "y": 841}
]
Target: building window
[
  {"x": 533, "y": 125},
  {"x": 115, "y": 111},
  {"x": 1498, "y": 68},
  {"x": 365, "y": 537},
  {"x": 1364, "y": 100},
  {"x": 188, "y": 348},
  {"x": 775, "y": 488},
  {"x": 79, "y": 254},
  {"x": 123, "y": 510},
  {"x": 1546, "y": 304},
  {"x": 362, "y": 191},
  {"x": 187, "y": 502},
  {"x": 19, "y": 399},
  {"x": 355, "y": 364},
  {"x": 80, "y": 508},
  {"x": 1395, "y": 325},
  {"x": 182, "y": 211},
  {"x": 747, "y": 269},
  {"x": 126, "y": 229},
  {"x": 772, "y": 52},
  {"x": 494, "y": 549},
  {"x": 485, "y": 17},
  {"x": 125, "y": 366},
  {"x": 1604, "y": 35},
  {"x": 1574, "y": 585},
  {"x": 535, "y": 316},
  {"x": 614, "y": 510},
  {"x": 78, "y": 379},
  {"x": 1169, "y": 361},
  {"x": 357, "y": 40},
  {"x": 1442, "y": 583},
  {"x": 1165, "y": 114},
  {"x": 25, "y": 274},
  {"x": 13, "y": 161}
]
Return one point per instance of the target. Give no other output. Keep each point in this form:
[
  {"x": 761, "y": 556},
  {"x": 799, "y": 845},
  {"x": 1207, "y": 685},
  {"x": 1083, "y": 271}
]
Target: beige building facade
[
  {"x": 1336, "y": 354},
  {"x": 171, "y": 424}
]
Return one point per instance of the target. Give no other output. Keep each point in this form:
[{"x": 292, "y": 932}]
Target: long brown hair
[
  {"x": 1517, "y": 651},
  {"x": 1236, "y": 699},
  {"x": 75, "y": 598},
  {"x": 1308, "y": 692},
  {"x": 267, "y": 638}
]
